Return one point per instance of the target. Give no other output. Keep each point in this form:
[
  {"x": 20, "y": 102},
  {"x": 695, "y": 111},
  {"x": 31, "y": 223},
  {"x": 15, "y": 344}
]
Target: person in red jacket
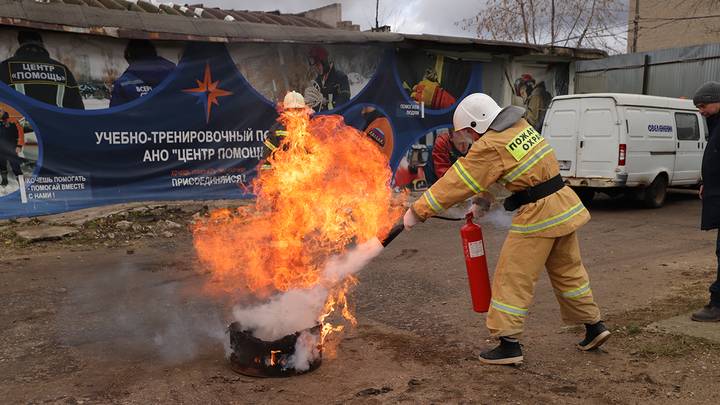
[{"x": 448, "y": 147}]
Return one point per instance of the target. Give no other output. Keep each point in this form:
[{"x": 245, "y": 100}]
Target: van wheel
[
  {"x": 656, "y": 192},
  {"x": 586, "y": 195}
]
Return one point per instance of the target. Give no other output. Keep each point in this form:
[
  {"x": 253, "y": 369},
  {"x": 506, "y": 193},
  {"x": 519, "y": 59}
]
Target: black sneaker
[
  {"x": 507, "y": 352},
  {"x": 709, "y": 313},
  {"x": 595, "y": 335}
]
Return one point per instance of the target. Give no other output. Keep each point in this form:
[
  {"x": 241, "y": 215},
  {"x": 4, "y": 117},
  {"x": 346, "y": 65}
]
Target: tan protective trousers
[{"x": 519, "y": 266}]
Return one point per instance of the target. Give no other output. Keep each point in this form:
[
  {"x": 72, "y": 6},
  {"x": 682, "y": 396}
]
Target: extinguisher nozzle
[{"x": 394, "y": 232}]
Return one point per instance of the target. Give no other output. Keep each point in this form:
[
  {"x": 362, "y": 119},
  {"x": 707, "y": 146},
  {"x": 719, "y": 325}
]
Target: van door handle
[
  {"x": 698, "y": 145},
  {"x": 581, "y": 143},
  {"x": 678, "y": 145}
]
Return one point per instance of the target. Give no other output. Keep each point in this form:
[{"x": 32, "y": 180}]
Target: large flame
[{"x": 328, "y": 189}]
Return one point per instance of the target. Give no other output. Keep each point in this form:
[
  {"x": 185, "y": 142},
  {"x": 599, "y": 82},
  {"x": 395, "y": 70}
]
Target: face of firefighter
[
  {"x": 317, "y": 66},
  {"x": 463, "y": 139},
  {"x": 708, "y": 110},
  {"x": 524, "y": 92}
]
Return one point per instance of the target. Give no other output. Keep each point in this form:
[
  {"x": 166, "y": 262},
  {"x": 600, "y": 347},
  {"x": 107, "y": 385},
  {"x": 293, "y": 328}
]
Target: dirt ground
[{"x": 112, "y": 315}]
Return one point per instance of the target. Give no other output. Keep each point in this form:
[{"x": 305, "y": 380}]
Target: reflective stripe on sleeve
[
  {"x": 508, "y": 309},
  {"x": 467, "y": 178},
  {"x": 60, "y": 95},
  {"x": 430, "y": 198},
  {"x": 550, "y": 222},
  {"x": 281, "y": 132},
  {"x": 527, "y": 165},
  {"x": 269, "y": 145},
  {"x": 578, "y": 292}
]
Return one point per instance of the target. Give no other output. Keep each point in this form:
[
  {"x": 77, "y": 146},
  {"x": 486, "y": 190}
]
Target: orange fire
[
  {"x": 272, "y": 356},
  {"x": 337, "y": 299},
  {"x": 328, "y": 189}
]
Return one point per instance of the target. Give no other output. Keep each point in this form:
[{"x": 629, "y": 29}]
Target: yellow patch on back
[{"x": 524, "y": 142}]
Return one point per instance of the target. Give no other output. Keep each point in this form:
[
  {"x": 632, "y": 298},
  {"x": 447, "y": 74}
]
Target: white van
[{"x": 626, "y": 143}]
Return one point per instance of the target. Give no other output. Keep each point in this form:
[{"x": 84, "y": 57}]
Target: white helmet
[
  {"x": 293, "y": 99},
  {"x": 476, "y": 111}
]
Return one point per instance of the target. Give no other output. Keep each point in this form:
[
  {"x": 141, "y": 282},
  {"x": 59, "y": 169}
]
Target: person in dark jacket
[
  {"x": 146, "y": 70},
  {"x": 333, "y": 84},
  {"x": 707, "y": 100},
  {"x": 31, "y": 71},
  {"x": 10, "y": 146}
]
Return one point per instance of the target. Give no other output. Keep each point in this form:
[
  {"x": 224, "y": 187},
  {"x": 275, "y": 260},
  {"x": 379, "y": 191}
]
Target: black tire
[
  {"x": 656, "y": 192},
  {"x": 586, "y": 194}
]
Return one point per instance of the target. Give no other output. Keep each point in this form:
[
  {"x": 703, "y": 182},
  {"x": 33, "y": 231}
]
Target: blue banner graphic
[{"x": 197, "y": 134}]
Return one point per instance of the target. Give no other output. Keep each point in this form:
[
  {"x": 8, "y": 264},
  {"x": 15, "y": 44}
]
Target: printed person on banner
[
  {"x": 146, "y": 71},
  {"x": 32, "y": 72}
]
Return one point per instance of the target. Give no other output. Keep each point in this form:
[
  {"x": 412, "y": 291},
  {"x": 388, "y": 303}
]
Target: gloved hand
[
  {"x": 424, "y": 91},
  {"x": 410, "y": 219},
  {"x": 479, "y": 207}
]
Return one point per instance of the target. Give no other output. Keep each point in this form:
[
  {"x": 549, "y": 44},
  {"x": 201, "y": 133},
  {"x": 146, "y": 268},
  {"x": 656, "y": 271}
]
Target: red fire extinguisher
[{"x": 476, "y": 264}]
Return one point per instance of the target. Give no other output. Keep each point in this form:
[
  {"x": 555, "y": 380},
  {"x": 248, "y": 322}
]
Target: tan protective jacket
[{"x": 518, "y": 158}]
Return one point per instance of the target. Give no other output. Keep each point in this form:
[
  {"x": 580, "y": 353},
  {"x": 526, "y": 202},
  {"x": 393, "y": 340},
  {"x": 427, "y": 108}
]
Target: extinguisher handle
[{"x": 394, "y": 232}]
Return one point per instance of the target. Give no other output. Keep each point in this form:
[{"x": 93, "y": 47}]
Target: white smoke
[
  {"x": 498, "y": 217},
  {"x": 306, "y": 351},
  {"x": 341, "y": 266},
  {"x": 147, "y": 314},
  {"x": 298, "y": 310},
  {"x": 284, "y": 314}
]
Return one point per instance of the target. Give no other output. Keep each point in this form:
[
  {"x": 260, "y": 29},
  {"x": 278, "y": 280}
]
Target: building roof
[
  {"x": 142, "y": 19},
  {"x": 637, "y": 100},
  {"x": 195, "y": 11}
]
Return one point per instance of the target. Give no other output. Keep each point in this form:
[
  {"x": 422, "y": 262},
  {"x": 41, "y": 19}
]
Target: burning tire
[{"x": 259, "y": 358}]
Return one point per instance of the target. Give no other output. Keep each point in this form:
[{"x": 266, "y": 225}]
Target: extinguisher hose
[
  {"x": 448, "y": 218},
  {"x": 398, "y": 228}
]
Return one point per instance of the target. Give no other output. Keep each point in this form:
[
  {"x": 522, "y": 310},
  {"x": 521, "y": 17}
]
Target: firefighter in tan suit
[{"x": 511, "y": 152}]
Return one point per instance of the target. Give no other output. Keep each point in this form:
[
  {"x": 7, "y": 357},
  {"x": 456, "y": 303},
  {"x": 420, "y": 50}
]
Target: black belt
[{"x": 533, "y": 193}]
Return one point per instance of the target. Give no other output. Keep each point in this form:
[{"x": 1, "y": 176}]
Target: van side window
[{"x": 687, "y": 127}]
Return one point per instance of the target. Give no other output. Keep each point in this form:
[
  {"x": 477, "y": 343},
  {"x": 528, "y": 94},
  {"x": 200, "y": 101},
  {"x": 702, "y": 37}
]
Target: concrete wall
[
  {"x": 330, "y": 14},
  {"x": 658, "y": 30},
  {"x": 494, "y": 83}
]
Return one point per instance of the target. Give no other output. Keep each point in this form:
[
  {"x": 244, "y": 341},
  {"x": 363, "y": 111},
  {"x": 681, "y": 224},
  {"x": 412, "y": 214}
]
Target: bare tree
[{"x": 576, "y": 23}]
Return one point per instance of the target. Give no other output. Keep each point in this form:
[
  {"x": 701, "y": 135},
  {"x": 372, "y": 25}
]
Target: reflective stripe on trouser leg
[
  {"x": 521, "y": 261},
  {"x": 571, "y": 282}
]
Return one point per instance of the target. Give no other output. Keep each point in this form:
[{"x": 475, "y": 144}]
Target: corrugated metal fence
[{"x": 669, "y": 72}]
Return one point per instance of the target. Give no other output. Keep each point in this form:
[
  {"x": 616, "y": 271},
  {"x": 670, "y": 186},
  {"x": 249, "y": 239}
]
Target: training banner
[{"x": 88, "y": 121}]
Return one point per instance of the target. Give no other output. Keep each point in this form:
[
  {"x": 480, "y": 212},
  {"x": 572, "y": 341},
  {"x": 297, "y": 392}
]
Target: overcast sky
[
  {"x": 408, "y": 16},
  {"x": 438, "y": 17}
]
